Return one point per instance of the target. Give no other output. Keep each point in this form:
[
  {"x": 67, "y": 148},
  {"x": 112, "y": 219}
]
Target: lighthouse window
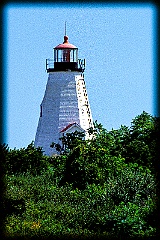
[
  {"x": 59, "y": 55},
  {"x": 66, "y": 55},
  {"x": 71, "y": 55},
  {"x": 62, "y": 55},
  {"x": 55, "y": 57}
]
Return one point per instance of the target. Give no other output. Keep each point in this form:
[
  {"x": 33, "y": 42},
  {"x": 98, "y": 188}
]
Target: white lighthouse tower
[{"x": 65, "y": 106}]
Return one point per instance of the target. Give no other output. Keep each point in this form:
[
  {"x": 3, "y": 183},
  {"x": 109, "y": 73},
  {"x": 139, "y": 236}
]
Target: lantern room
[
  {"x": 66, "y": 52},
  {"x": 65, "y": 58}
]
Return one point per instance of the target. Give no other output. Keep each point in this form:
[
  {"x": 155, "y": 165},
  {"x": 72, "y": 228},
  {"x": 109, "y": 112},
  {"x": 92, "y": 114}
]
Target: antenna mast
[{"x": 65, "y": 28}]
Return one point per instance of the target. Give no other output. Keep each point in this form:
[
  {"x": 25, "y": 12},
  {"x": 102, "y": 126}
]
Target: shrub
[
  {"x": 50, "y": 210},
  {"x": 25, "y": 159}
]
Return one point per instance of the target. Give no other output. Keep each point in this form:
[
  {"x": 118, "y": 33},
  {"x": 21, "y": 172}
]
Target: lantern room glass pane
[
  {"x": 65, "y": 55},
  {"x": 55, "y": 55}
]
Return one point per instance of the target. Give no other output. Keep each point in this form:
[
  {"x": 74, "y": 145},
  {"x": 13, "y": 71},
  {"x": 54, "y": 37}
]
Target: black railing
[
  {"x": 62, "y": 66},
  {"x": 49, "y": 63},
  {"x": 81, "y": 64}
]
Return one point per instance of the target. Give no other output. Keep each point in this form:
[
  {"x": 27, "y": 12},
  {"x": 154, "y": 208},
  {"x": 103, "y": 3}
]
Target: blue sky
[{"x": 117, "y": 41}]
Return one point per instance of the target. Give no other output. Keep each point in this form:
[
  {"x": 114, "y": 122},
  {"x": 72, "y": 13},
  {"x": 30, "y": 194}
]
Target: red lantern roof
[{"x": 65, "y": 44}]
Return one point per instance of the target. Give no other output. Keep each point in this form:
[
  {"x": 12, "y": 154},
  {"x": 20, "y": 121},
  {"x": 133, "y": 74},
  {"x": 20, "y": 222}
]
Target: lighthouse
[{"x": 65, "y": 106}]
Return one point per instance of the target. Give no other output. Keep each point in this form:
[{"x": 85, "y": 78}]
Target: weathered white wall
[
  {"x": 65, "y": 101},
  {"x": 83, "y": 105}
]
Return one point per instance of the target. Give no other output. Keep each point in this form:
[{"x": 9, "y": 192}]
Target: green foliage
[
  {"x": 25, "y": 159},
  {"x": 137, "y": 143},
  {"x": 140, "y": 145},
  {"x": 103, "y": 186},
  {"x": 69, "y": 141},
  {"x": 49, "y": 210}
]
